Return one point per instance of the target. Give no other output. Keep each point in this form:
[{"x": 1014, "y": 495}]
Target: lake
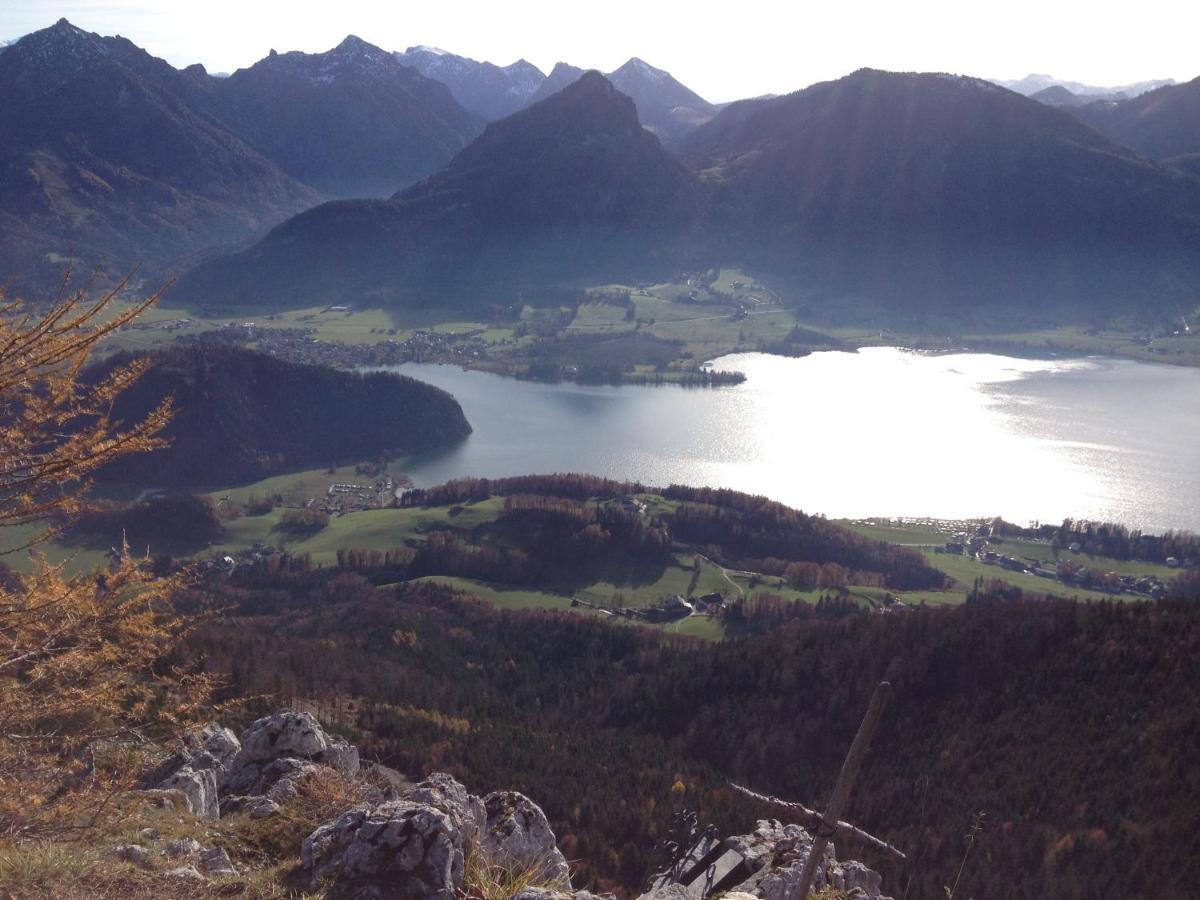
[{"x": 880, "y": 432}]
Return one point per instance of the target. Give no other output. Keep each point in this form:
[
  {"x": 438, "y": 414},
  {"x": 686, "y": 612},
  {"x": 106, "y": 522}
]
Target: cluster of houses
[
  {"x": 975, "y": 546},
  {"x": 300, "y": 345},
  {"x": 343, "y": 497},
  {"x": 668, "y": 610}
]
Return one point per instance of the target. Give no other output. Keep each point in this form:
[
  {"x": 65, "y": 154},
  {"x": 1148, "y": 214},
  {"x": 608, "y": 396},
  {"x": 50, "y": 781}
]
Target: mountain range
[
  {"x": 571, "y": 187},
  {"x": 1034, "y": 84},
  {"x": 664, "y": 105},
  {"x": 927, "y": 191},
  {"x": 924, "y": 191}
]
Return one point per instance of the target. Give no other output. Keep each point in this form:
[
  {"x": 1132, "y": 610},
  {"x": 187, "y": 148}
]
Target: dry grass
[{"x": 485, "y": 880}]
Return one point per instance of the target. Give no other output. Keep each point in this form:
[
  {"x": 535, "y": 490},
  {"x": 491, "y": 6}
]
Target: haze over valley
[{"x": 610, "y": 454}]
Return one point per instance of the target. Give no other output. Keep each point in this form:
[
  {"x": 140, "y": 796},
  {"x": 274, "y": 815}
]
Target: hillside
[
  {"x": 572, "y": 187},
  {"x": 1066, "y": 724},
  {"x": 488, "y": 90},
  {"x": 244, "y": 415},
  {"x": 351, "y": 122},
  {"x": 102, "y": 158},
  {"x": 930, "y": 191},
  {"x": 1158, "y": 124}
]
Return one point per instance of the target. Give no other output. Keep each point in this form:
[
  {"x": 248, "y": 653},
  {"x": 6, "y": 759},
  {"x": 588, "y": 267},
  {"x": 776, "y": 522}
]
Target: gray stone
[
  {"x": 400, "y": 848},
  {"x": 542, "y": 893},
  {"x": 517, "y": 836},
  {"x": 199, "y": 789},
  {"x": 669, "y": 892},
  {"x": 466, "y": 811},
  {"x": 264, "y": 808},
  {"x": 181, "y": 848},
  {"x": 133, "y": 853},
  {"x": 185, "y": 873},
  {"x": 284, "y": 733},
  {"x": 217, "y": 741},
  {"x": 216, "y": 862}
]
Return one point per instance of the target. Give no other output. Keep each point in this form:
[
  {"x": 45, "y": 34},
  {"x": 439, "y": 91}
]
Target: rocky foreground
[{"x": 430, "y": 840}]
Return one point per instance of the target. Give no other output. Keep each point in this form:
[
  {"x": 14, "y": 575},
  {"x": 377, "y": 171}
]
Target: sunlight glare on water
[{"x": 880, "y": 432}]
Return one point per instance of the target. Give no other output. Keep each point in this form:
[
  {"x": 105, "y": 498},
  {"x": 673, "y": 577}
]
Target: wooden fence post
[{"x": 845, "y": 782}]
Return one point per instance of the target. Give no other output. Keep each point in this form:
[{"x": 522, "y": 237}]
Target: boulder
[
  {"x": 198, "y": 787},
  {"x": 221, "y": 743},
  {"x": 517, "y": 836},
  {"x": 184, "y": 873},
  {"x": 216, "y": 862},
  {"x": 184, "y": 847},
  {"x": 466, "y": 811},
  {"x": 133, "y": 853},
  {"x": 777, "y": 855},
  {"x": 541, "y": 893},
  {"x": 295, "y": 735},
  {"x": 400, "y": 848}
]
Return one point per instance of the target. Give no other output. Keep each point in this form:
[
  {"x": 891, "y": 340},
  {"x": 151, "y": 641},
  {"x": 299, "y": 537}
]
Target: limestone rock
[
  {"x": 516, "y": 835},
  {"x": 185, "y": 873},
  {"x": 221, "y": 743},
  {"x": 295, "y": 735},
  {"x": 133, "y": 853},
  {"x": 216, "y": 862},
  {"x": 668, "y": 892},
  {"x": 181, "y": 848},
  {"x": 466, "y": 811},
  {"x": 199, "y": 788},
  {"x": 401, "y": 848},
  {"x": 541, "y": 893}
]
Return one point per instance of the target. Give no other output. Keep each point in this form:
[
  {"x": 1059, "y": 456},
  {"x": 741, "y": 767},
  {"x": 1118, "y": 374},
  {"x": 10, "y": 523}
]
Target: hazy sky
[{"x": 722, "y": 50}]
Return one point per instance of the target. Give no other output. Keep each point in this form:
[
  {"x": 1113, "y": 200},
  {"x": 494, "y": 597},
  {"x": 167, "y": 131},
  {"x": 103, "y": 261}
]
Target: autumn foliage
[{"x": 85, "y": 673}]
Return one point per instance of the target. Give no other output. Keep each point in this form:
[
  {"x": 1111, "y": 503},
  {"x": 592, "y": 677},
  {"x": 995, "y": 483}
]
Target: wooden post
[{"x": 845, "y": 782}]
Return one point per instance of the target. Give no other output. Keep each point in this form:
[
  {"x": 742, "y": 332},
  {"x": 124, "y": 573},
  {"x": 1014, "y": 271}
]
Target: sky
[{"x": 723, "y": 51}]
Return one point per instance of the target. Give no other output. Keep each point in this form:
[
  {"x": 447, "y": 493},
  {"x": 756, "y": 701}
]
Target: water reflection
[{"x": 879, "y": 432}]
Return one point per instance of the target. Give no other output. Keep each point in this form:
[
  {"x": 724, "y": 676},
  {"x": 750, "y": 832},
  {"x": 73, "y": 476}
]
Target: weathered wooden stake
[{"x": 845, "y": 782}]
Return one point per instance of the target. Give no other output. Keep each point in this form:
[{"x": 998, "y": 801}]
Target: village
[{"x": 1067, "y": 572}]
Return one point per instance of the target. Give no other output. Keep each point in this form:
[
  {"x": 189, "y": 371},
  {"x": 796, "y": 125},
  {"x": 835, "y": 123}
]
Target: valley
[{"x": 589, "y": 452}]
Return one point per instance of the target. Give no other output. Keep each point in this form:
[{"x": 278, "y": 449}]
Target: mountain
[
  {"x": 1057, "y": 95},
  {"x": 560, "y": 76},
  {"x": 665, "y": 106},
  {"x": 103, "y": 158},
  {"x": 1032, "y": 84},
  {"x": 572, "y": 187},
  {"x": 351, "y": 122},
  {"x": 1158, "y": 124},
  {"x": 934, "y": 190},
  {"x": 243, "y": 416},
  {"x": 490, "y": 91}
]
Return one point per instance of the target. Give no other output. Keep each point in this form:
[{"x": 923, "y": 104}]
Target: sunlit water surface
[{"x": 881, "y": 432}]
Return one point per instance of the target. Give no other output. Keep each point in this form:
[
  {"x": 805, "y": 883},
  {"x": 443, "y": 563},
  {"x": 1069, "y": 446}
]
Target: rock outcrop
[
  {"x": 517, "y": 836},
  {"x": 216, "y": 772},
  {"x": 418, "y": 845},
  {"x": 766, "y": 864}
]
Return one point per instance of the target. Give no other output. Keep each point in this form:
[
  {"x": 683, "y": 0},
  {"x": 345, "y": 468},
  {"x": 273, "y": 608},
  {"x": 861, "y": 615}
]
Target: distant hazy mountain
[
  {"x": 102, "y": 157},
  {"x": 665, "y": 106},
  {"x": 487, "y": 90},
  {"x": 1032, "y": 84},
  {"x": 572, "y": 187},
  {"x": 560, "y": 76},
  {"x": 351, "y": 122},
  {"x": 922, "y": 188},
  {"x": 1057, "y": 95},
  {"x": 1159, "y": 124}
]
